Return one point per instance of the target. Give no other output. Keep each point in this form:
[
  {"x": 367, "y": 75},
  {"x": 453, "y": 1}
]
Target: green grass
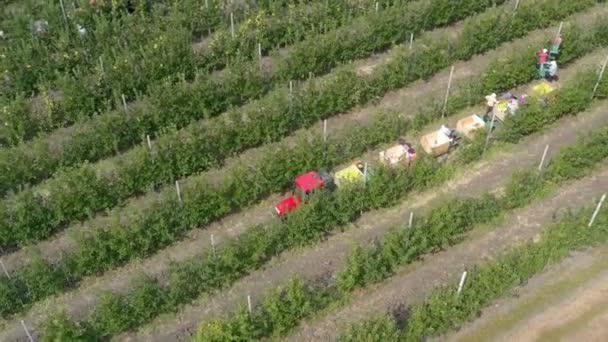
[{"x": 542, "y": 297}]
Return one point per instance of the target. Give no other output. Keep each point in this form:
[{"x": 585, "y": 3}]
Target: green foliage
[
  {"x": 122, "y": 54},
  {"x": 522, "y": 187},
  {"x": 443, "y": 310},
  {"x": 203, "y": 146},
  {"x": 571, "y": 99},
  {"x": 249, "y": 251},
  {"x": 216, "y": 331},
  {"x": 60, "y": 328},
  {"x": 209, "y": 96},
  {"x": 282, "y": 310},
  {"x": 443, "y": 226},
  {"x": 63, "y": 61},
  {"x": 130, "y": 233},
  {"x": 378, "y": 329},
  {"x": 475, "y": 147},
  {"x": 294, "y": 24},
  {"x": 112, "y": 315},
  {"x": 118, "y": 313},
  {"x": 576, "y": 159}
]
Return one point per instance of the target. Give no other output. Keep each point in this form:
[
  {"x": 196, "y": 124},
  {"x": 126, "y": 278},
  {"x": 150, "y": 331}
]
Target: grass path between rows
[{"x": 547, "y": 305}]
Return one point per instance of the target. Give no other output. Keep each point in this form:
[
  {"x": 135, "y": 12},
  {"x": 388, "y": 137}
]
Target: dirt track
[
  {"x": 565, "y": 303},
  {"x": 81, "y": 300},
  {"x": 596, "y": 331}
]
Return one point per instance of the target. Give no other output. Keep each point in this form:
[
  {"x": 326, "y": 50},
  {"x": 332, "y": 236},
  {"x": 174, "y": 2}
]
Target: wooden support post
[
  {"x": 290, "y": 96},
  {"x": 411, "y": 40},
  {"x": 260, "y": 56},
  {"x": 65, "y": 18},
  {"x": 103, "y": 70},
  {"x": 179, "y": 193},
  {"x": 411, "y": 221},
  {"x": 516, "y": 7},
  {"x": 124, "y": 103},
  {"x": 447, "y": 93},
  {"x": 260, "y": 51},
  {"x": 325, "y": 130},
  {"x": 27, "y": 332},
  {"x": 4, "y": 269},
  {"x": 599, "y": 79},
  {"x": 462, "y": 279},
  {"x": 149, "y": 142},
  {"x": 489, "y": 132},
  {"x": 559, "y": 30},
  {"x": 249, "y": 306},
  {"x": 232, "y": 24},
  {"x": 597, "y": 210},
  {"x": 542, "y": 160},
  {"x": 365, "y": 173}
]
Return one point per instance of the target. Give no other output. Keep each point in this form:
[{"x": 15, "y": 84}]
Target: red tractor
[{"x": 304, "y": 185}]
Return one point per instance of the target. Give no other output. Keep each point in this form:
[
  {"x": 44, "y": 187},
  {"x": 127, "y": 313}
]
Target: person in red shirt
[{"x": 542, "y": 57}]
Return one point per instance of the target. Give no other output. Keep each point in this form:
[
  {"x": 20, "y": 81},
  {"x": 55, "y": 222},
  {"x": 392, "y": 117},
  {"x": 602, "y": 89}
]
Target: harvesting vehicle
[
  {"x": 306, "y": 184},
  {"x": 440, "y": 142},
  {"x": 403, "y": 152}
]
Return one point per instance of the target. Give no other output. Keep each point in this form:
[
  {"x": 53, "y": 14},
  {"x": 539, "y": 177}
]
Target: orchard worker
[
  {"x": 552, "y": 72},
  {"x": 512, "y": 102},
  {"x": 542, "y": 57},
  {"x": 491, "y": 101},
  {"x": 555, "y": 48},
  {"x": 513, "y": 105}
]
